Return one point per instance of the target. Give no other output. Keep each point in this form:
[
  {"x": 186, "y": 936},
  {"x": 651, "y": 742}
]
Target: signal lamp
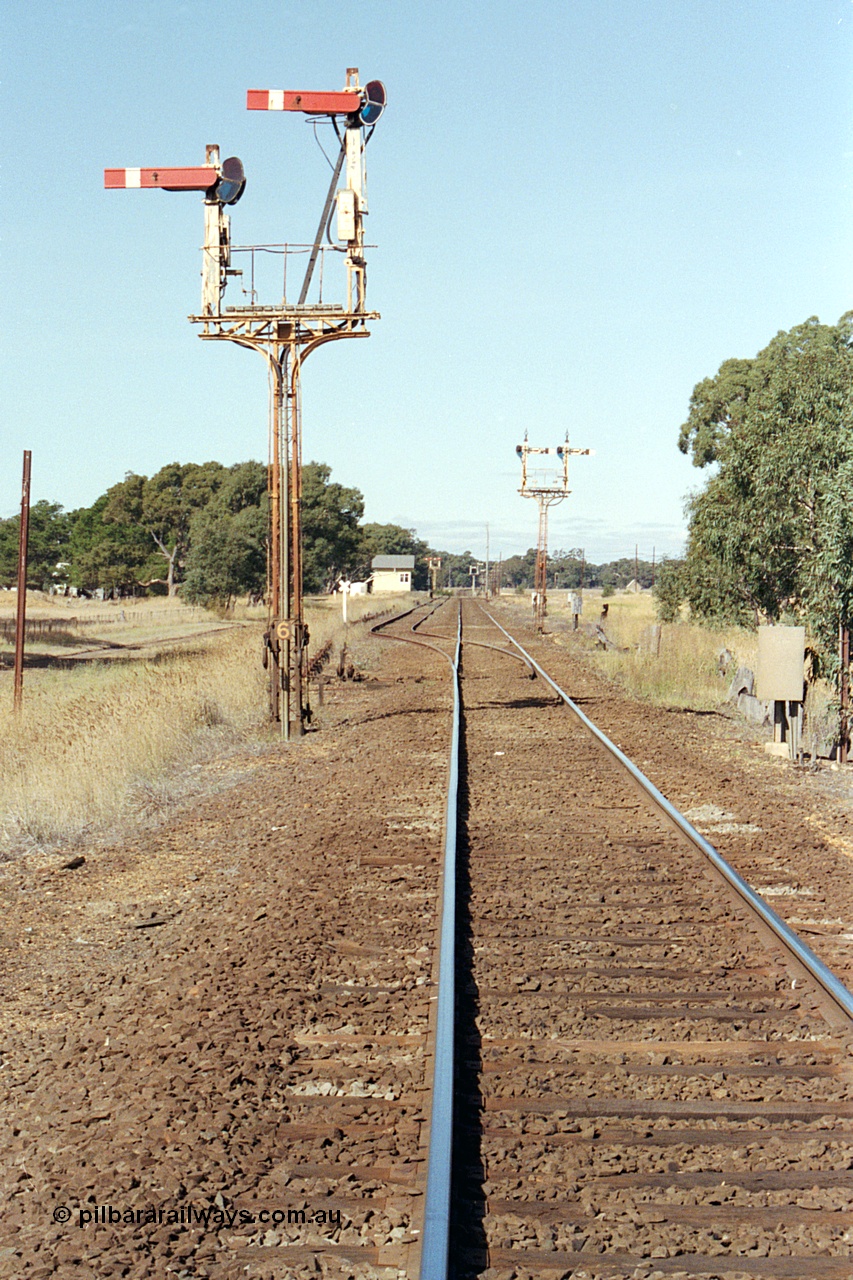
[
  {"x": 374, "y": 100},
  {"x": 231, "y": 184}
]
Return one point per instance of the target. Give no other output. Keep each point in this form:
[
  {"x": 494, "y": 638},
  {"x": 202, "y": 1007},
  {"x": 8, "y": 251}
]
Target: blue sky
[{"x": 580, "y": 209}]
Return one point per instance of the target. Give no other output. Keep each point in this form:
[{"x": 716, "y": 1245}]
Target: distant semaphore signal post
[
  {"x": 285, "y": 332},
  {"x": 548, "y": 484}
]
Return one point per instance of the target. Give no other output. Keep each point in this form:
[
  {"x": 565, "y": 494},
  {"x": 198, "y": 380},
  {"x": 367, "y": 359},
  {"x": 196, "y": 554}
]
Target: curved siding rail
[{"x": 836, "y": 992}]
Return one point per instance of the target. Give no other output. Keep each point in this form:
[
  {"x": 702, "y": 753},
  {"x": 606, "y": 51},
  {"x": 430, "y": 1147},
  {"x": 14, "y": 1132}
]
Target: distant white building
[
  {"x": 391, "y": 574},
  {"x": 352, "y": 588}
]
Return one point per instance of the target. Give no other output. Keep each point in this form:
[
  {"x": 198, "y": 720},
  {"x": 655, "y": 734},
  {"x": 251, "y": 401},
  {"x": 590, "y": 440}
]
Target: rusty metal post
[
  {"x": 21, "y": 610},
  {"x": 548, "y": 490},
  {"x": 844, "y": 727},
  {"x": 297, "y": 675},
  {"x": 540, "y": 579},
  {"x": 277, "y": 612},
  {"x": 274, "y": 491}
]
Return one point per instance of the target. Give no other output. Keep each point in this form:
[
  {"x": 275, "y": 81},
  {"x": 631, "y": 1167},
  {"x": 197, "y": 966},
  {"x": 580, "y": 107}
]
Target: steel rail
[
  {"x": 435, "y": 1247},
  {"x": 436, "y": 635},
  {"x": 839, "y": 995},
  {"x": 435, "y": 1241},
  {"x": 495, "y": 648},
  {"x": 478, "y": 644},
  {"x": 378, "y": 627}
]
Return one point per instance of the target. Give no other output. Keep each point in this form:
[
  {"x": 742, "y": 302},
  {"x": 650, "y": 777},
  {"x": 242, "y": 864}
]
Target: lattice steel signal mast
[
  {"x": 285, "y": 333},
  {"x": 548, "y": 484}
]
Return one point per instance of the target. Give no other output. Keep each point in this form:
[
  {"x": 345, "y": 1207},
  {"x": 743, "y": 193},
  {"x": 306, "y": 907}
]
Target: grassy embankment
[
  {"x": 170, "y": 688},
  {"x": 670, "y": 664},
  {"x": 101, "y": 741},
  {"x": 683, "y": 667}
]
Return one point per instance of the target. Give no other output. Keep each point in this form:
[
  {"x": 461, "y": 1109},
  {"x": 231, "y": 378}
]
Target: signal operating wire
[{"x": 320, "y": 145}]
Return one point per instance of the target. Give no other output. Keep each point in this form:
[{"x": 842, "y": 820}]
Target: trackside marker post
[{"x": 21, "y": 602}]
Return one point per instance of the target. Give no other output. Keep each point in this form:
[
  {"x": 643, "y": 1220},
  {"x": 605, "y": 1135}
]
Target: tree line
[
  {"x": 198, "y": 529},
  {"x": 201, "y": 530},
  {"x": 570, "y": 570},
  {"x": 771, "y": 531}
]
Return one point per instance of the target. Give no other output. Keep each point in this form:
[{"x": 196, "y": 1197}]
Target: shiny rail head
[{"x": 838, "y": 996}]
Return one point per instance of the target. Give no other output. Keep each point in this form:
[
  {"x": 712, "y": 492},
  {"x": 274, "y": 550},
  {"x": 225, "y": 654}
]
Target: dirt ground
[
  {"x": 174, "y": 964},
  {"x": 787, "y": 830}
]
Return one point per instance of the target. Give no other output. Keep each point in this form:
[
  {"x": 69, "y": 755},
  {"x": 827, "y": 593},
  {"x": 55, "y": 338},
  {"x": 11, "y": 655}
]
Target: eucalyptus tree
[
  {"x": 771, "y": 532},
  {"x": 164, "y": 506},
  {"x": 48, "y": 531}
]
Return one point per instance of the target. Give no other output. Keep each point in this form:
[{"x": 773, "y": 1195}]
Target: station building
[{"x": 391, "y": 574}]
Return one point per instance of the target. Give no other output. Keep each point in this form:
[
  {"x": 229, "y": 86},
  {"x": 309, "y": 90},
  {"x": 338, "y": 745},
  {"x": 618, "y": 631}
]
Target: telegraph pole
[
  {"x": 549, "y": 485},
  {"x": 486, "y": 586},
  {"x": 21, "y": 603}
]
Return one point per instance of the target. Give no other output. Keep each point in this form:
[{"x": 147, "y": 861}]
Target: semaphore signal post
[
  {"x": 548, "y": 484},
  {"x": 285, "y": 332}
]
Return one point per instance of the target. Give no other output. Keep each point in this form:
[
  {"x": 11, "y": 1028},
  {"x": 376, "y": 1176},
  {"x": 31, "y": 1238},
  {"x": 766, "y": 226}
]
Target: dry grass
[
  {"x": 324, "y": 614},
  {"x": 102, "y": 743},
  {"x": 670, "y": 664},
  {"x": 82, "y": 623},
  {"x": 688, "y": 666}
]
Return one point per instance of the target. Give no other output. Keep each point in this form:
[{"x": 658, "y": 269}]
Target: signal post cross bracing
[
  {"x": 549, "y": 485},
  {"x": 285, "y": 332}
]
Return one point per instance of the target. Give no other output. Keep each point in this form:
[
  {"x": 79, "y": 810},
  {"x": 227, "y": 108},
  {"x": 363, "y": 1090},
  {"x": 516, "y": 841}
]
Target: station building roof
[{"x": 392, "y": 562}]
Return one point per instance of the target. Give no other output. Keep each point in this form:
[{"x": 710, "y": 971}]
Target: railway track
[
  {"x": 628, "y": 1077},
  {"x": 648, "y": 1080}
]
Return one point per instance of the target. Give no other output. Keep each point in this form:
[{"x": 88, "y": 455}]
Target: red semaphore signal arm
[
  {"x": 342, "y": 103},
  {"x": 197, "y": 178}
]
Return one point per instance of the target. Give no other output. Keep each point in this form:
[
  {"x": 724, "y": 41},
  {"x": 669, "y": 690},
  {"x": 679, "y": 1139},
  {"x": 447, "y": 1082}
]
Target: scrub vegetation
[
  {"x": 682, "y": 663},
  {"x": 675, "y": 664},
  {"x": 171, "y": 696},
  {"x": 771, "y": 531}
]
